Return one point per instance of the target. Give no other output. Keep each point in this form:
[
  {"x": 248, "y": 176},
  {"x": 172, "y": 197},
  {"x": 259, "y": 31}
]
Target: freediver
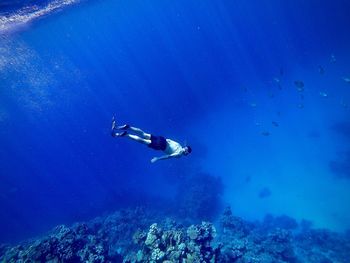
[{"x": 171, "y": 148}]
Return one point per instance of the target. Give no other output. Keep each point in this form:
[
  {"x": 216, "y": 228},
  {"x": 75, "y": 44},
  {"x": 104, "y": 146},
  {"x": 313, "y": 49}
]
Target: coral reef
[
  {"x": 278, "y": 239},
  {"x": 64, "y": 244},
  {"x": 175, "y": 244},
  {"x": 103, "y": 239},
  {"x": 139, "y": 236}
]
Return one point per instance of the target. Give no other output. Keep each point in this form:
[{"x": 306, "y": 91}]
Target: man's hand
[{"x": 154, "y": 159}]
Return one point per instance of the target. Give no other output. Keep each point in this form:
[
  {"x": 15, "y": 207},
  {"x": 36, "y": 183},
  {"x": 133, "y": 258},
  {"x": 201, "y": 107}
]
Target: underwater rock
[
  {"x": 266, "y": 242},
  {"x": 109, "y": 239},
  {"x": 233, "y": 224},
  {"x": 279, "y": 245},
  {"x": 201, "y": 234},
  {"x": 153, "y": 236},
  {"x": 321, "y": 245},
  {"x": 102, "y": 239},
  {"x": 176, "y": 245},
  {"x": 62, "y": 245}
]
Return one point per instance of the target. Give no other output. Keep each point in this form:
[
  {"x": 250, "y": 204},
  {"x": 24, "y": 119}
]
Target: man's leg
[
  {"x": 140, "y": 132},
  {"x": 138, "y": 139},
  {"x": 125, "y": 127}
]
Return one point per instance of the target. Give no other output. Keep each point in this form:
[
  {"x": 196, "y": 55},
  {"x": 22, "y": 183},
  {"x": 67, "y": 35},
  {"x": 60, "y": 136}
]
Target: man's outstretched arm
[{"x": 164, "y": 157}]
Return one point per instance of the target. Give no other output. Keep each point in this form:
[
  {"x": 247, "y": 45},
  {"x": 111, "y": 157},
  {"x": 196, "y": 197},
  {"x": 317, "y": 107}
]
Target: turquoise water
[{"x": 218, "y": 75}]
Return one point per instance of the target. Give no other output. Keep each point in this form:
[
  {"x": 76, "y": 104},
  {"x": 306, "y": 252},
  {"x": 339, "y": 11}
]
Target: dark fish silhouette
[
  {"x": 278, "y": 82},
  {"x": 321, "y": 70},
  {"x": 333, "y": 59},
  {"x": 265, "y": 192},
  {"x": 275, "y": 123},
  {"x": 344, "y": 104},
  {"x": 265, "y": 133},
  {"x": 300, "y": 85}
]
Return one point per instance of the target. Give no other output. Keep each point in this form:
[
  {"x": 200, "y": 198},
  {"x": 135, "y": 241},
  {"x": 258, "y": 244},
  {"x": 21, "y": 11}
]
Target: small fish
[
  {"x": 323, "y": 94},
  {"x": 321, "y": 70},
  {"x": 300, "y": 85},
  {"x": 281, "y": 72},
  {"x": 277, "y": 80},
  {"x": 253, "y": 105},
  {"x": 275, "y": 123},
  {"x": 265, "y": 192},
  {"x": 347, "y": 80},
  {"x": 265, "y": 133},
  {"x": 333, "y": 59},
  {"x": 344, "y": 104},
  {"x": 301, "y": 106}
]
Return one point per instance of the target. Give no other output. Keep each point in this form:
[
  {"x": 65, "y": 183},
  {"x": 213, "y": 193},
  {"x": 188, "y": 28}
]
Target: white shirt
[{"x": 172, "y": 147}]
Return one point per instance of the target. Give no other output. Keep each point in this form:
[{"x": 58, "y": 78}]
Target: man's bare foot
[
  {"x": 123, "y": 127},
  {"x": 113, "y": 127},
  {"x": 119, "y": 134}
]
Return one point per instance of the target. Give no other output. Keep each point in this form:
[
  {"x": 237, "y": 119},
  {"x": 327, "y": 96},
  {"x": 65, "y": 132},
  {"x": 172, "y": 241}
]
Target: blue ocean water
[{"x": 219, "y": 75}]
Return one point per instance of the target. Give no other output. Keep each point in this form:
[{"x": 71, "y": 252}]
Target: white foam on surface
[{"x": 28, "y": 14}]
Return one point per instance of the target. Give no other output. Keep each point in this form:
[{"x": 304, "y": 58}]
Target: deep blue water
[{"x": 205, "y": 72}]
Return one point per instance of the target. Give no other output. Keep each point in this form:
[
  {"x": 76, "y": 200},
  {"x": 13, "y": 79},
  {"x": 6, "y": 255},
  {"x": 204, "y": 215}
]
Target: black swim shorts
[{"x": 158, "y": 143}]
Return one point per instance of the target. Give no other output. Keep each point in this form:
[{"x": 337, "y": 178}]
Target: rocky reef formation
[
  {"x": 132, "y": 236},
  {"x": 279, "y": 239},
  {"x": 175, "y": 244},
  {"x": 104, "y": 239}
]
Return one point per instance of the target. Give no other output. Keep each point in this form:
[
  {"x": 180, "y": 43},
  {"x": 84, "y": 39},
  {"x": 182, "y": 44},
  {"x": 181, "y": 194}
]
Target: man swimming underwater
[{"x": 171, "y": 148}]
